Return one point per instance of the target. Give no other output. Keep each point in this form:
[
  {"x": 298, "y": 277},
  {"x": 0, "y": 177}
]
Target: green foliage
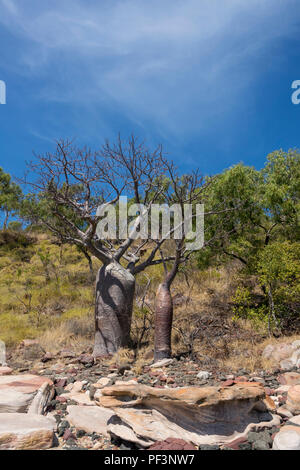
[
  {"x": 279, "y": 272},
  {"x": 245, "y": 308},
  {"x": 10, "y": 196}
]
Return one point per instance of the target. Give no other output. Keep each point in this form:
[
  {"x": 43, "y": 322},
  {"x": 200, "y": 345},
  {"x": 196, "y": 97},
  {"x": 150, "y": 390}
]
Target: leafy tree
[
  {"x": 279, "y": 271},
  {"x": 10, "y": 196}
]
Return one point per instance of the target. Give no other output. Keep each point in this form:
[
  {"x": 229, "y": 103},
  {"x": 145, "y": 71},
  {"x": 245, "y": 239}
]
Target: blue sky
[{"x": 209, "y": 79}]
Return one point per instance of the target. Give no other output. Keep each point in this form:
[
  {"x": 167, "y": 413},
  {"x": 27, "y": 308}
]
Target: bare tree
[{"x": 69, "y": 186}]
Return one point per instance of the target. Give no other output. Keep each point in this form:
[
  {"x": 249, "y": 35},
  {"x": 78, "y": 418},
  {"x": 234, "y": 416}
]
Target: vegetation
[{"x": 243, "y": 286}]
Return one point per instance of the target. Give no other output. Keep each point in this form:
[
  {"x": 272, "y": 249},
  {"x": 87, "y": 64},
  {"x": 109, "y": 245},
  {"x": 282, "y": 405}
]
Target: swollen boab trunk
[
  {"x": 163, "y": 322},
  {"x": 113, "y": 311}
]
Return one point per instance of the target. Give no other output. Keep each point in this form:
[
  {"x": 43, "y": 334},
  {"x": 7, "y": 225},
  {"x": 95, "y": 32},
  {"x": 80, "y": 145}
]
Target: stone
[
  {"x": 47, "y": 357},
  {"x": 31, "y": 350},
  {"x": 103, "y": 382},
  {"x": 206, "y": 415},
  {"x": 41, "y": 400},
  {"x": 162, "y": 363},
  {"x": 286, "y": 364},
  {"x": 293, "y": 399},
  {"x": 283, "y": 389},
  {"x": 203, "y": 375},
  {"x": 86, "y": 359},
  {"x": 5, "y": 371},
  {"x": 17, "y": 392},
  {"x": 79, "y": 397},
  {"x": 295, "y": 357},
  {"x": 172, "y": 444},
  {"x": 89, "y": 419},
  {"x": 296, "y": 344},
  {"x": 295, "y": 420},
  {"x": 20, "y": 431},
  {"x": 278, "y": 352},
  {"x": 289, "y": 378},
  {"x": 287, "y": 439},
  {"x": 283, "y": 412}
]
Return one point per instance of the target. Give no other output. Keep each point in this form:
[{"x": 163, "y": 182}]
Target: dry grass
[{"x": 61, "y": 309}]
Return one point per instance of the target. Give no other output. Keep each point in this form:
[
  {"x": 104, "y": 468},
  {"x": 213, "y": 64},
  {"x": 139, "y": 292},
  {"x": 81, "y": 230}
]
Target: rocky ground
[{"x": 73, "y": 402}]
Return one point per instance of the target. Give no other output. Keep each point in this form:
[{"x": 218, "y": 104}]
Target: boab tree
[
  {"x": 181, "y": 194},
  {"x": 69, "y": 186}
]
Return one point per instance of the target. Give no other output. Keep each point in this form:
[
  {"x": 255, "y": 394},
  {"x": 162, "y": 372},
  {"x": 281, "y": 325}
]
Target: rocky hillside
[{"x": 66, "y": 401}]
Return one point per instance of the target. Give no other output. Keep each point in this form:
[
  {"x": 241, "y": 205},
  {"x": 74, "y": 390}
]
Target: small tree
[
  {"x": 279, "y": 271},
  {"x": 10, "y": 196}
]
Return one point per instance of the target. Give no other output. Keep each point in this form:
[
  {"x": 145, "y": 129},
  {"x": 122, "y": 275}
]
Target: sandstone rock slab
[
  {"x": 201, "y": 415},
  {"x": 17, "y": 392},
  {"x": 20, "y": 431},
  {"x": 89, "y": 419}
]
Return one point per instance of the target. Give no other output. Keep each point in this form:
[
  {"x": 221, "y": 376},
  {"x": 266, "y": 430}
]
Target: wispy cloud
[{"x": 177, "y": 64}]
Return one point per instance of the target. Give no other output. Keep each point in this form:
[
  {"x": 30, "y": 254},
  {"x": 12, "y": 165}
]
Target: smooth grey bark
[
  {"x": 163, "y": 322},
  {"x": 115, "y": 288}
]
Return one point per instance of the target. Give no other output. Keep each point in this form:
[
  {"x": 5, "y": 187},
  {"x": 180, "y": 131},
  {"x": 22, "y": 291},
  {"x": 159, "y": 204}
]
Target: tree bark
[
  {"x": 114, "y": 301},
  {"x": 163, "y": 322}
]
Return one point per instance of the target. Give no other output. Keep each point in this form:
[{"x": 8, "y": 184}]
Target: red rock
[
  {"x": 170, "y": 380},
  {"x": 242, "y": 378},
  {"x": 163, "y": 378},
  {"x": 289, "y": 378},
  {"x": 228, "y": 383},
  {"x": 47, "y": 357},
  {"x": 61, "y": 399},
  {"x": 86, "y": 359},
  {"x": 61, "y": 382},
  {"x": 235, "y": 444},
  {"x": 68, "y": 435},
  {"x": 172, "y": 444}
]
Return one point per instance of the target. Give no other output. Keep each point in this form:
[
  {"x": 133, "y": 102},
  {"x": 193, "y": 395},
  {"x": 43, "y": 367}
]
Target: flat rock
[
  {"x": 89, "y": 419},
  {"x": 20, "y": 431},
  {"x": 278, "y": 352},
  {"x": 17, "y": 392},
  {"x": 204, "y": 415},
  {"x": 162, "y": 363},
  {"x": 5, "y": 371},
  {"x": 79, "y": 397},
  {"x": 287, "y": 439},
  {"x": 295, "y": 420},
  {"x": 290, "y": 378}
]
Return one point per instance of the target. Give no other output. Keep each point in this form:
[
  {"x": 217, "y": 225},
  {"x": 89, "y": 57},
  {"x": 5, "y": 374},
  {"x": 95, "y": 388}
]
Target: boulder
[
  {"x": 20, "y": 431},
  {"x": 293, "y": 399},
  {"x": 89, "y": 419},
  {"x": 278, "y": 352},
  {"x": 31, "y": 350},
  {"x": 290, "y": 378},
  {"x": 205, "y": 415},
  {"x": 287, "y": 439},
  {"x": 18, "y": 392}
]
